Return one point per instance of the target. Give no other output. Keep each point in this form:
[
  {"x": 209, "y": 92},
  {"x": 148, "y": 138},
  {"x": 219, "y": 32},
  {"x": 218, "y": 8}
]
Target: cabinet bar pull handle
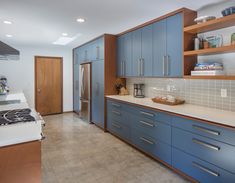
[
  {"x": 115, "y": 112},
  {"x": 167, "y": 65},
  {"x": 146, "y": 113},
  {"x": 146, "y": 123},
  {"x": 163, "y": 64},
  {"x": 210, "y": 146},
  {"x": 206, "y": 130},
  {"x": 138, "y": 68},
  {"x": 123, "y": 65},
  {"x": 97, "y": 52},
  {"x": 205, "y": 169},
  {"x": 146, "y": 140},
  {"x": 121, "y": 68},
  {"x": 116, "y": 105},
  {"x": 142, "y": 67},
  {"x": 117, "y": 126}
]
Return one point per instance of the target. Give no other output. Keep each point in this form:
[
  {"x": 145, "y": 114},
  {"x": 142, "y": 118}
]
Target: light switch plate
[{"x": 224, "y": 93}]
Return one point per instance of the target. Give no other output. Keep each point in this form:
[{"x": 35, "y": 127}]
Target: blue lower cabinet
[
  {"x": 155, "y": 129},
  {"x": 118, "y": 129},
  {"x": 151, "y": 145},
  {"x": 207, "y": 130},
  {"x": 212, "y": 151},
  {"x": 200, "y": 170}
]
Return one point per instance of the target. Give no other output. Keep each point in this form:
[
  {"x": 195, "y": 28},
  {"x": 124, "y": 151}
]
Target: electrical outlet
[{"x": 224, "y": 93}]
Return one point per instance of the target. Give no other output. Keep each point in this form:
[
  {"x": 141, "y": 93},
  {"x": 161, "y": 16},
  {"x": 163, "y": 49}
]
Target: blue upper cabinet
[
  {"x": 124, "y": 56},
  {"x": 142, "y": 51},
  {"x": 159, "y": 48},
  {"x": 147, "y": 51},
  {"x": 127, "y": 62},
  {"x": 156, "y": 50},
  {"x": 97, "y": 49},
  {"x": 174, "y": 60},
  {"x": 136, "y": 52}
]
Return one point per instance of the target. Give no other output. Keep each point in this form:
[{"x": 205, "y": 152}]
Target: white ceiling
[{"x": 41, "y": 22}]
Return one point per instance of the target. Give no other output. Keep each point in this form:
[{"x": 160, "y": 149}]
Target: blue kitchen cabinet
[
  {"x": 200, "y": 170},
  {"x": 142, "y": 51},
  {"x": 147, "y": 51},
  {"x": 159, "y": 48},
  {"x": 124, "y": 56},
  {"x": 96, "y": 51},
  {"x": 174, "y": 58},
  {"x": 97, "y": 112},
  {"x": 168, "y": 47},
  {"x": 136, "y": 52}
]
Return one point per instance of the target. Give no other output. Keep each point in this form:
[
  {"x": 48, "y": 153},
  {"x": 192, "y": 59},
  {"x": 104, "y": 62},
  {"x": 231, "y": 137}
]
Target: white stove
[{"x": 19, "y": 126}]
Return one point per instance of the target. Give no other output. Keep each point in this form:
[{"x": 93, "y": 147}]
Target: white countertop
[
  {"x": 19, "y": 132},
  {"x": 14, "y": 96},
  {"x": 226, "y": 118}
]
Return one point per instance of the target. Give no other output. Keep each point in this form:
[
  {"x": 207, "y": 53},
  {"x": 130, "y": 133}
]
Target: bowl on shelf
[
  {"x": 204, "y": 19},
  {"x": 228, "y": 11}
]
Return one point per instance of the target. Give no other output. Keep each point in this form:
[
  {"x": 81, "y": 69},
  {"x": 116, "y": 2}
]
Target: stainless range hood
[{"x": 8, "y": 53}]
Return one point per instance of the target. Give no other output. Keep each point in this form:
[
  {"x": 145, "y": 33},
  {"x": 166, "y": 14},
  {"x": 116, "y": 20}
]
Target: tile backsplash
[{"x": 198, "y": 92}]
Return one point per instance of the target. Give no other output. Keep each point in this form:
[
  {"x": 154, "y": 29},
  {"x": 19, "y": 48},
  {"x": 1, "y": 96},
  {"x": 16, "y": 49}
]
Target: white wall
[{"x": 20, "y": 74}]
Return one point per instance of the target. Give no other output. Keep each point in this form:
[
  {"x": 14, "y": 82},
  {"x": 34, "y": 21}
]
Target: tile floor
[{"x": 75, "y": 152}]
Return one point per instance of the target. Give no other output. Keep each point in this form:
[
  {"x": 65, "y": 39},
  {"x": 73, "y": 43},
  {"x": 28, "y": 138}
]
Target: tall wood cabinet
[{"x": 101, "y": 53}]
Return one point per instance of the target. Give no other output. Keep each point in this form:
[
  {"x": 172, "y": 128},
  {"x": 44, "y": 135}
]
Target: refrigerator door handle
[{"x": 82, "y": 87}]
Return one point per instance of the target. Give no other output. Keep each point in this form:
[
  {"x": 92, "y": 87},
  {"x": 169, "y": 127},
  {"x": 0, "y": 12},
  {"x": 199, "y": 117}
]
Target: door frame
[{"x": 35, "y": 80}]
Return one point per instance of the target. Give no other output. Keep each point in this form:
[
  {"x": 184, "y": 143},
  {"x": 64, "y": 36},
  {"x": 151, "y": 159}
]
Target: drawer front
[
  {"x": 207, "y": 130},
  {"x": 151, "y": 145},
  {"x": 153, "y": 115},
  {"x": 157, "y": 130},
  {"x": 215, "y": 152},
  {"x": 200, "y": 170},
  {"x": 118, "y": 112},
  {"x": 119, "y": 129}
]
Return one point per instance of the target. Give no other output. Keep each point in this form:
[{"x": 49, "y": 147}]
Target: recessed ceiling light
[
  {"x": 7, "y": 22},
  {"x": 64, "y": 34},
  {"x": 8, "y": 35},
  {"x": 80, "y": 20}
]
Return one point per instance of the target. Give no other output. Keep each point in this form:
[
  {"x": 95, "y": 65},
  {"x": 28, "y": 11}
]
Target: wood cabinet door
[
  {"x": 175, "y": 46},
  {"x": 48, "y": 85}
]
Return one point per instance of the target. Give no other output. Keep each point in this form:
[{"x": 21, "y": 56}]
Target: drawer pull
[
  {"x": 147, "y": 114},
  {"x": 115, "y": 112},
  {"x": 205, "y": 169},
  {"x": 146, "y": 123},
  {"x": 117, "y": 126},
  {"x": 116, "y": 105},
  {"x": 212, "y": 132},
  {"x": 146, "y": 140},
  {"x": 210, "y": 146}
]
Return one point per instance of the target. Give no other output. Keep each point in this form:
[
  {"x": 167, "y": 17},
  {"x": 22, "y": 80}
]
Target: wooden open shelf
[
  {"x": 210, "y": 77},
  {"x": 211, "y": 51},
  {"x": 211, "y": 25}
]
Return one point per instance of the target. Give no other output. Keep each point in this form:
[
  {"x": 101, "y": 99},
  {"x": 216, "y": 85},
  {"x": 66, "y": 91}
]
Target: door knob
[{"x": 39, "y": 90}]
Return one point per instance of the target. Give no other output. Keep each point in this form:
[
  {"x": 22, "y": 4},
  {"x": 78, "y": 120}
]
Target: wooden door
[{"x": 49, "y": 85}]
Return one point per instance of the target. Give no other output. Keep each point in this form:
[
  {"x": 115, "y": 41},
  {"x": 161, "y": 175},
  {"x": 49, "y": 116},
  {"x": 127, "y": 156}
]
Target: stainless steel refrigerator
[{"x": 84, "y": 91}]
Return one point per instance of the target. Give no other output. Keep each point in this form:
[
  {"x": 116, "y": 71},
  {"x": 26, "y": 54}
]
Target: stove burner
[{"x": 15, "y": 116}]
